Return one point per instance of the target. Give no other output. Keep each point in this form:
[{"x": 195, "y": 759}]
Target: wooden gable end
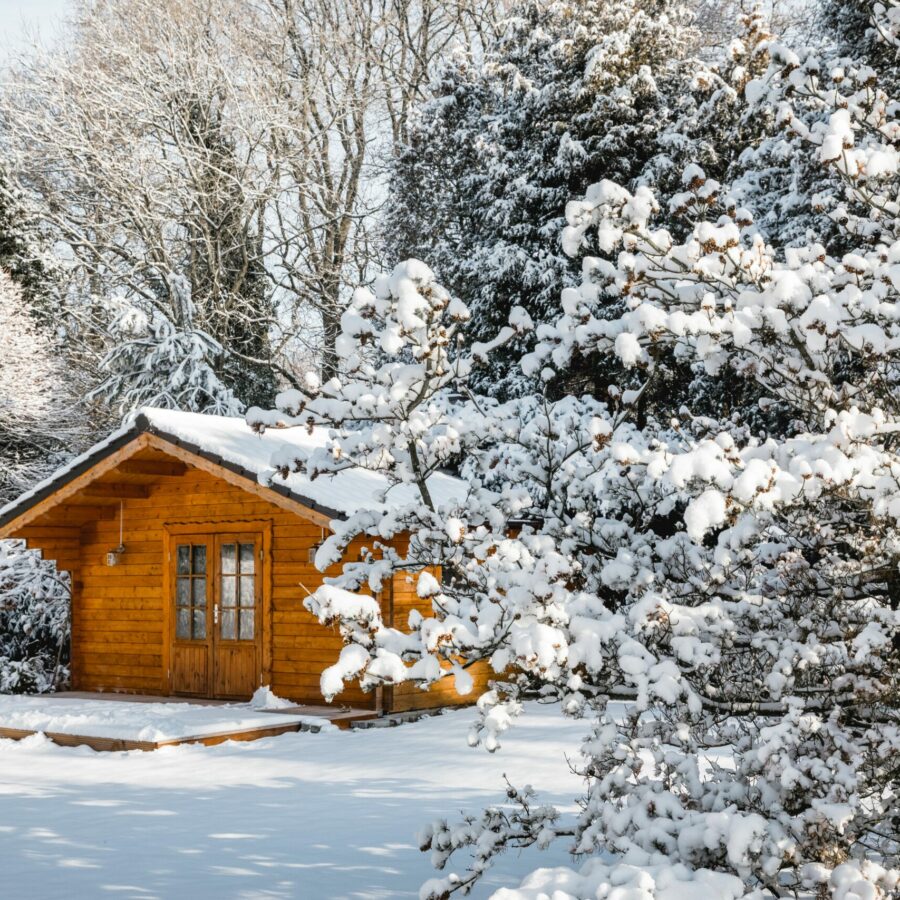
[{"x": 144, "y": 460}]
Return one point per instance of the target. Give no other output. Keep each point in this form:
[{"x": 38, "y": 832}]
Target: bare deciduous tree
[
  {"x": 140, "y": 143},
  {"x": 355, "y": 69},
  {"x": 236, "y": 146}
]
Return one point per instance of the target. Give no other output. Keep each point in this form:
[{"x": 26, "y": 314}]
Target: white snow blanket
[
  {"x": 297, "y": 817},
  {"x": 133, "y": 721}
]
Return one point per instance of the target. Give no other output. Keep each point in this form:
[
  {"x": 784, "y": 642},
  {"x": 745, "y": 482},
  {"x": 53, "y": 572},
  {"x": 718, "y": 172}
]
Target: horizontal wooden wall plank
[
  {"x": 128, "y": 641},
  {"x": 123, "y": 670},
  {"x": 138, "y": 620},
  {"x": 119, "y": 682},
  {"x": 120, "y": 603}
]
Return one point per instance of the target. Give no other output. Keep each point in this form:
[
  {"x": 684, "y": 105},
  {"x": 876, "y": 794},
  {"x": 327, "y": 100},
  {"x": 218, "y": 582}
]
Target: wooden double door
[{"x": 215, "y": 602}]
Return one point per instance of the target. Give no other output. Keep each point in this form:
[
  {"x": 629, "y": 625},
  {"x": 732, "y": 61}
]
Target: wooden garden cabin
[{"x": 190, "y": 562}]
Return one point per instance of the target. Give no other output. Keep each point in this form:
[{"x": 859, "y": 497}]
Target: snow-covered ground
[{"x": 299, "y": 816}]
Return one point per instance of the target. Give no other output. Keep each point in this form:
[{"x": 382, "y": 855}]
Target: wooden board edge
[{"x": 115, "y": 745}]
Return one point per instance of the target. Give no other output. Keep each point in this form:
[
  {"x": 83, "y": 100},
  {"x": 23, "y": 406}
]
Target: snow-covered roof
[
  {"x": 346, "y": 492},
  {"x": 232, "y": 443}
]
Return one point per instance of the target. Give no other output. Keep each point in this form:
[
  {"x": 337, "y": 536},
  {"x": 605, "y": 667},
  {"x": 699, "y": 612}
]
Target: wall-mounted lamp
[
  {"x": 314, "y": 549},
  {"x": 112, "y": 557}
]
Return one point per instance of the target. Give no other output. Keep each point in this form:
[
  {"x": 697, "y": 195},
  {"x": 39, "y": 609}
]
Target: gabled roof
[{"x": 232, "y": 445}]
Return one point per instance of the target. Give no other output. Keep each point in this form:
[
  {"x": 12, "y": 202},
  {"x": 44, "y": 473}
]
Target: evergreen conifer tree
[
  {"x": 573, "y": 91},
  {"x": 21, "y": 254}
]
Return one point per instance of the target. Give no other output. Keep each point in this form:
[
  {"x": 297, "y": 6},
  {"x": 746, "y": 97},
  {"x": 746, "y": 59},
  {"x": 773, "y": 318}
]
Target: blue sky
[{"x": 18, "y": 16}]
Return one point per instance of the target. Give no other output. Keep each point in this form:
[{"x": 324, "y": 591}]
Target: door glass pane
[
  {"x": 248, "y": 558},
  {"x": 183, "y": 624},
  {"x": 199, "y": 591},
  {"x": 247, "y": 592},
  {"x": 200, "y": 559},
  {"x": 228, "y": 591},
  {"x": 228, "y": 623},
  {"x": 183, "y": 592},
  {"x": 199, "y": 623},
  {"x": 246, "y": 624},
  {"x": 184, "y": 559},
  {"x": 228, "y": 559}
]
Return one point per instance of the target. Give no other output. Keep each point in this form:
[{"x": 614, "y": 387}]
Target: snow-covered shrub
[
  {"x": 34, "y": 622},
  {"x": 737, "y": 583}
]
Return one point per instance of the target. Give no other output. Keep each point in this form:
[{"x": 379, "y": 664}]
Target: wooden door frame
[
  {"x": 218, "y": 646},
  {"x": 213, "y": 527},
  {"x": 208, "y": 541}
]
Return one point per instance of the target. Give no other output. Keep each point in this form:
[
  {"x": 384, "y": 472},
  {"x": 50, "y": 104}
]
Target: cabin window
[
  {"x": 190, "y": 592},
  {"x": 238, "y": 591}
]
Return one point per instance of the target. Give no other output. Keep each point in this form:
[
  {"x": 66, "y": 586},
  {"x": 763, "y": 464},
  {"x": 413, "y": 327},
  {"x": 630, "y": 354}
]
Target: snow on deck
[{"x": 153, "y": 723}]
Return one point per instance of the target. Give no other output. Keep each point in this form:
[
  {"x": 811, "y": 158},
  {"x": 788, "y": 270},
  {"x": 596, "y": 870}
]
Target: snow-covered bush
[
  {"x": 34, "y": 622},
  {"x": 735, "y": 577}
]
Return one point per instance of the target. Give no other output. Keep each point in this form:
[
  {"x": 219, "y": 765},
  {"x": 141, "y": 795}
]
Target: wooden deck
[{"x": 342, "y": 717}]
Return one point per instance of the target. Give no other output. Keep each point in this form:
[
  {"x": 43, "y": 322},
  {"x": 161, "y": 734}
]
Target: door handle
[{"x": 215, "y": 614}]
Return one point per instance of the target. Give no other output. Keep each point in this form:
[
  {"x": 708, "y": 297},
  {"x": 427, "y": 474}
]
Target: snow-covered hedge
[{"x": 34, "y": 622}]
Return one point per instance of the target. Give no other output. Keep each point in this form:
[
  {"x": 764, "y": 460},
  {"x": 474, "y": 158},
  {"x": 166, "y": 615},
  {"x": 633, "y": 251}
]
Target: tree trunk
[{"x": 331, "y": 328}]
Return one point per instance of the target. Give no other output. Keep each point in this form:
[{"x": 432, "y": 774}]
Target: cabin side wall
[
  {"x": 408, "y": 697},
  {"x": 59, "y": 543},
  {"x": 119, "y": 640}
]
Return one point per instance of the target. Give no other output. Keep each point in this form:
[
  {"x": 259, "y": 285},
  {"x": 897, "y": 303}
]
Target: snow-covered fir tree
[
  {"x": 573, "y": 91},
  {"x": 155, "y": 361},
  {"x": 738, "y": 590},
  {"x": 22, "y": 255}
]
